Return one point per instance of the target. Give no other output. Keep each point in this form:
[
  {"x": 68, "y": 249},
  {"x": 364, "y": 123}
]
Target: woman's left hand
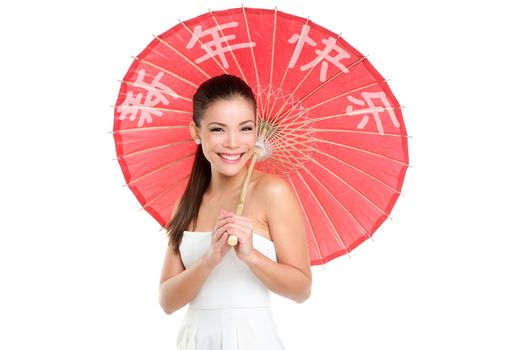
[{"x": 242, "y": 227}]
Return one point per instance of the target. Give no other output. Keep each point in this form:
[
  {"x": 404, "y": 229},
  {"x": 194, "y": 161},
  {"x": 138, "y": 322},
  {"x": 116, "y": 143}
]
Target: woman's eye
[{"x": 248, "y": 128}]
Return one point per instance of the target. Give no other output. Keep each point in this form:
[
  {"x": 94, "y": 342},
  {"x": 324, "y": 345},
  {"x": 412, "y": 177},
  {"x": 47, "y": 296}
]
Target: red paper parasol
[{"x": 332, "y": 127}]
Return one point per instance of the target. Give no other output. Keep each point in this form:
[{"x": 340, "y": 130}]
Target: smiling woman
[
  {"x": 230, "y": 109},
  {"x": 228, "y": 288}
]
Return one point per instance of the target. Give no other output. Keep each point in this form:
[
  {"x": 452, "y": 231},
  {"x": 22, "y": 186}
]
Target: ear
[{"x": 193, "y": 130}]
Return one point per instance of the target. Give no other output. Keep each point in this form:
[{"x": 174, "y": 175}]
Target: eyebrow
[{"x": 221, "y": 124}]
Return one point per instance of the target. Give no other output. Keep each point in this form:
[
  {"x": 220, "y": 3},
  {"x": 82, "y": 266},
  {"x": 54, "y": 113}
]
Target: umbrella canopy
[{"x": 332, "y": 127}]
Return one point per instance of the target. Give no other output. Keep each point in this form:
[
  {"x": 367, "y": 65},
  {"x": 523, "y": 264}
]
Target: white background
[{"x": 80, "y": 264}]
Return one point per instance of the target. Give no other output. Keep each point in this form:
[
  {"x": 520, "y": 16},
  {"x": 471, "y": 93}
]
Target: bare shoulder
[
  {"x": 270, "y": 185},
  {"x": 284, "y": 216},
  {"x": 271, "y": 190}
]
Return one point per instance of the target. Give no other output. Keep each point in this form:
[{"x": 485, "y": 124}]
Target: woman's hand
[
  {"x": 242, "y": 227},
  {"x": 219, "y": 246}
]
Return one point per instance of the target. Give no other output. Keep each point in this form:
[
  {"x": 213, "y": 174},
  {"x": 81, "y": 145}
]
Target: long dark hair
[{"x": 222, "y": 87}]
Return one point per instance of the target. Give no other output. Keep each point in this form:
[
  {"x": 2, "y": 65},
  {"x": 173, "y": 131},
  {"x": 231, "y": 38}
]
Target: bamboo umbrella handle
[{"x": 232, "y": 239}]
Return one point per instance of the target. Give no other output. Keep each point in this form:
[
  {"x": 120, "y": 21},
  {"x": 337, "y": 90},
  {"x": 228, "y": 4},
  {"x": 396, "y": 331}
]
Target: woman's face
[{"x": 228, "y": 130}]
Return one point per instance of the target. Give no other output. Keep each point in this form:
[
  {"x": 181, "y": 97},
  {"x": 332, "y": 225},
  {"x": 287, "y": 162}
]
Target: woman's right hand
[{"x": 219, "y": 246}]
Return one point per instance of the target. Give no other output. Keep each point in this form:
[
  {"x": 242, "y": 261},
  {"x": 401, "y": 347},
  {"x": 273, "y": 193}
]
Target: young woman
[{"x": 228, "y": 288}]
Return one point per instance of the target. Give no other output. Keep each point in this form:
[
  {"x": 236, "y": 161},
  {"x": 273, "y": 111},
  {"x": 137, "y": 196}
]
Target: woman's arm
[
  {"x": 291, "y": 276},
  {"x": 177, "y": 285}
]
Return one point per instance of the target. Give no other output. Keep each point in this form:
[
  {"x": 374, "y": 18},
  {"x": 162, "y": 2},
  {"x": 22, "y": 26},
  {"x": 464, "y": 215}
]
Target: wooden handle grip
[{"x": 233, "y": 240}]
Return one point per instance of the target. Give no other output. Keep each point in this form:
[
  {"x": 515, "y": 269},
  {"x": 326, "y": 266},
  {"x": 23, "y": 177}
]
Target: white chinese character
[
  {"x": 132, "y": 104},
  {"x": 368, "y": 98},
  {"x": 216, "y": 46},
  {"x": 323, "y": 56},
  {"x": 300, "y": 40}
]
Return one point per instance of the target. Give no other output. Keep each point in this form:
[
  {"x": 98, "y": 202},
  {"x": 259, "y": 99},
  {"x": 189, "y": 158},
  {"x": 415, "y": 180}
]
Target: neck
[{"x": 221, "y": 185}]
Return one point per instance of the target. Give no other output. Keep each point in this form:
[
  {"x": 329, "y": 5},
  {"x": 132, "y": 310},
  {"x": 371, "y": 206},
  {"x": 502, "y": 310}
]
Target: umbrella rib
[
  {"x": 358, "y": 170},
  {"x": 352, "y": 187},
  {"x": 251, "y": 47},
  {"x": 154, "y": 108},
  {"x": 358, "y": 132},
  {"x": 293, "y": 133},
  {"x": 284, "y": 147},
  {"x": 316, "y": 62},
  {"x": 361, "y": 150},
  {"x": 284, "y": 131},
  {"x": 149, "y": 128},
  {"x": 335, "y": 97},
  {"x": 148, "y": 87},
  {"x": 282, "y": 156},
  {"x": 321, "y": 207},
  {"x": 175, "y": 183},
  {"x": 259, "y": 102},
  {"x": 353, "y": 64},
  {"x": 275, "y": 163},
  {"x": 270, "y": 79},
  {"x": 186, "y": 58},
  {"x": 320, "y": 86},
  {"x": 204, "y": 47},
  {"x": 293, "y": 158},
  {"x": 284, "y": 144},
  {"x": 164, "y": 70},
  {"x": 305, "y": 213},
  {"x": 286, "y": 71},
  {"x": 294, "y": 90},
  {"x": 355, "y": 149},
  {"x": 228, "y": 43},
  {"x": 346, "y": 114},
  {"x": 151, "y": 149},
  {"x": 158, "y": 169},
  {"x": 290, "y": 139},
  {"x": 364, "y": 232},
  {"x": 347, "y": 93}
]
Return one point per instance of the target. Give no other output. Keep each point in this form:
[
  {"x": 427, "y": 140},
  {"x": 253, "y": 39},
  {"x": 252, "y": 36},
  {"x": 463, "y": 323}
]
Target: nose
[{"x": 231, "y": 141}]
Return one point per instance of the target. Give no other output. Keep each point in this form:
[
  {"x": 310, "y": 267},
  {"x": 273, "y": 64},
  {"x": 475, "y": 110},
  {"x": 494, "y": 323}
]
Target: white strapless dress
[{"x": 232, "y": 310}]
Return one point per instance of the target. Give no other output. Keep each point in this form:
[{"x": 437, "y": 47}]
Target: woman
[{"x": 228, "y": 288}]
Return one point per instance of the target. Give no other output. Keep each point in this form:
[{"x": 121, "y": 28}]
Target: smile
[{"x": 230, "y": 157}]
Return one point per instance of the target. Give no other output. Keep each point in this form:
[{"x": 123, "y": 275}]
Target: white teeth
[{"x": 230, "y": 157}]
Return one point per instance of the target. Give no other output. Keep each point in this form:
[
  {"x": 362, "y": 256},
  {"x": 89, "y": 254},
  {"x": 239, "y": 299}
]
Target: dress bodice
[{"x": 231, "y": 284}]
